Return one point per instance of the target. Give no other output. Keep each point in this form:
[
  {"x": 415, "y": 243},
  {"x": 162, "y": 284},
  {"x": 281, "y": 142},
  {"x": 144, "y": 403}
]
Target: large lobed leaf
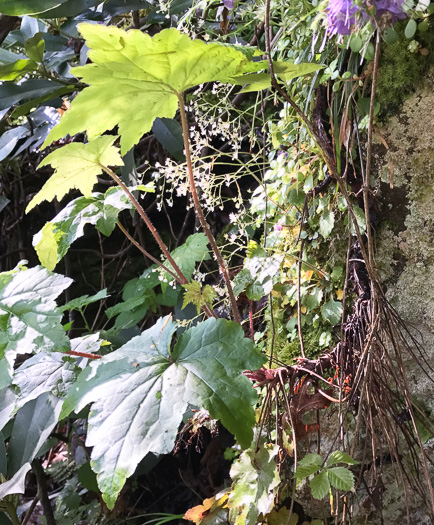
[
  {"x": 140, "y": 392},
  {"x": 29, "y": 318},
  {"x": 135, "y": 78},
  {"x": 77, "y": 166}
]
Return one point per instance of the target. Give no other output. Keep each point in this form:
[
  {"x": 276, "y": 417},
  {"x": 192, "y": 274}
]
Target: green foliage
[
  {"x": 194, "y": 294},
  {"x": 254, "y": 478},
  {"x": 77, "y": 166},
  {"x": 328, "y": 476},
  {"x": 101, "y": 210},
  {"x": 186, "y": 256},
  {"x": 140, "y": 392},
  {"x": 29, "y": 318},
  {"x": 135, "y": 78}
]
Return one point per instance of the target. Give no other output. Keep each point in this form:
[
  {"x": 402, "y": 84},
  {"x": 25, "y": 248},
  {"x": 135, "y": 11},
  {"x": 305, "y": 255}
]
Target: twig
[
  {"x": 43, "y": 492},
  {"x": 147, "y": 254},
  {"x": 300, "y": 332},
  {"x": 30, "y": 510}
]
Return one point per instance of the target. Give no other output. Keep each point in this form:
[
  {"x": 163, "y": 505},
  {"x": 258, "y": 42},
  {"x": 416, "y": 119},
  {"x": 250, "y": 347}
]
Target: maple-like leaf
[
  {"x": 196, "y": 295},
  {"x": 140, "y": 392},
  {"x": 77, "y": 166},
  {"x": 134, "y": 79}
]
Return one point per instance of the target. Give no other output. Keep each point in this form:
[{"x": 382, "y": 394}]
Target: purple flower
[
  {"x": 393, "y": 7},
  {"x": 341, "y": 14}
]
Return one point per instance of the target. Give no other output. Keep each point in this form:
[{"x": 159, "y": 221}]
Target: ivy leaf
[
  {"x": 76, "y": 166},
  {"x": 326, "y": 223},
  {"x": 100, "y": 209},
  {"x": 254, "y": 477},
  {"x": 340, "y": 457},
  {"x": 320, "y": 485},
  {"x": 341, "y": 478},
  {"x": 332, "y": 311},
  {"x": 29, "y": 318},
  {"x": 195, "y": 295},
  {"x": 135, "y": 78},
  {"x": 140, "y": 392}
]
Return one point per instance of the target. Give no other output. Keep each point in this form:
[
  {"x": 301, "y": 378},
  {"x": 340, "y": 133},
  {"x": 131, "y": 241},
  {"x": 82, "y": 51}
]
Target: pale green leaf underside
[
  {"x": 29, "y": 318},
  {"x": 77, "y": 166},
  {"x": 140, "y": 392},
  {"x": 134, "y": 79}
]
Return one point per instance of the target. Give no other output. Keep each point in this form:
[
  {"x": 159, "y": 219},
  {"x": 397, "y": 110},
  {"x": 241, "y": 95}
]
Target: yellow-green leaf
[
  {"x": 135, "y": 78},
  {"x": 46, "y": 248},
  {"x": 77, "y": 166}
]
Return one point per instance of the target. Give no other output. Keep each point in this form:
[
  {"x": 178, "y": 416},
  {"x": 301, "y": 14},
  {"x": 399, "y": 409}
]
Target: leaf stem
[
  {"x": 147, "y": 254},
  {"x": 12, "y": 512},
  {"x": 201, "y": 215},
  {"x": 147, "y": 221}
]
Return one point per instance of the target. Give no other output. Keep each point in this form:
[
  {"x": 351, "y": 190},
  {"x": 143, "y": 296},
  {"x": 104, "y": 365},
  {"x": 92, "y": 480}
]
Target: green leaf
[
  {"x": 313, "y": 300},
  {"x": 17, "y": 69},
  {"x": 284, "y": 70},
  {"x": 29, "y": 318},
  {"x": 332, "y": 311},
  {"x": 16, "y": 485},
  {"x": 35, "y": 47},
  {"x": 356, "y": 43},
  {"x": 169, "y": 134},
  {"x": 341, "y": 478},
  {"x": 128, "y": 420},
  {"x": 326, "y": 223},
  {"x": 32, "y": 426},
  {"x": 304, "y": 472},
  {"x": 340, "y": 457},
  {"x": 307, "y": 466},
  {"x": 69, "y": 8},
  {"x": 194, "y": 250},
  {"x": 287, "y": 71},
  {"x": 195, "y": 295},
  {"x": 254, "y": 477},
  {"x": 44, "y": 372},
  {"x": 77, "y": 166},
  {"x": 135, "y": 78},
  {"x": 80, "y": 302},
  {"x": 101, "y": 210},
  {"x": 7, "y": 403},
  {"x": 25, "y": 108},
  {"x": 27, "y": 7},
  {"x": 320, "y": 485},
  {"x": 410, "y": 29},
  {"x": 11, "y": 94},
  {"x": 46, "y": 248}
]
